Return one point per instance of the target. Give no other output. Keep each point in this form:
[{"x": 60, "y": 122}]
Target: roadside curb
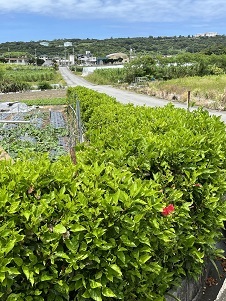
[{"x": 222, "y": 293}]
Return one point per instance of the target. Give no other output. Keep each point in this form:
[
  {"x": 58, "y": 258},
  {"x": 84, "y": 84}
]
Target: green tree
[
  {"x": 1, "y": 72},
  {"x": 140, "y": 66}
]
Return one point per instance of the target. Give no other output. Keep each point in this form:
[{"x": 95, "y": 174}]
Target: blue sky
[{"x": 37, "y": 20}]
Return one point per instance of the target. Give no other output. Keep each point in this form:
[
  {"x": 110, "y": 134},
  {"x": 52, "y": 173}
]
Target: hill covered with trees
[{"x": 100, "y": 48}]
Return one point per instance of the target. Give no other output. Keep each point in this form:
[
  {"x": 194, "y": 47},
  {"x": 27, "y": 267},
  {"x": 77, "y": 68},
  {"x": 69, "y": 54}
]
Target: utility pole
[
  {"x": 35, "y": 57},
  {"x": 188, "y": 100},
  {"x": 8, "y": 55}
]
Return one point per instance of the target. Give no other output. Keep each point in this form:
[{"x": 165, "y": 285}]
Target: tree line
[
  {"x": 138, "y": 45},
  {"x": 181, "y": 65},
  {"x": 160, "y": 67}
]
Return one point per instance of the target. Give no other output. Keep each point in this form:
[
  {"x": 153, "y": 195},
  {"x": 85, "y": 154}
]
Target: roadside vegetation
[
  {"x": 172, "y": 77},
  {"x": 208, "y": 91},
  {"x": 107, "y": 76}
]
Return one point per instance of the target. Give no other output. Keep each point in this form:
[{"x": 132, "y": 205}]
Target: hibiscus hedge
[{"x": 142, "y": 208}]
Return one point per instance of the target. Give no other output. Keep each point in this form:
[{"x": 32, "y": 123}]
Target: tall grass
[
  {"x": 211, "y": 87},
  {"x": 106, "y": 76},
  {"x": 205, "y": 83}
]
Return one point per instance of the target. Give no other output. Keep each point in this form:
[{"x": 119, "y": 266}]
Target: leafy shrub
[
  {"x": 72, "y": 68},
  {"x": 67, "y": 234},
  {"x": 141, "y": 209},
  {"x": 107, "y": 76},
  {"x": 79, "y": 69},
  {"x": 44, "y": 86},
  {"x": 182, "y": 151},
  {"x": 7, "y": 86}
]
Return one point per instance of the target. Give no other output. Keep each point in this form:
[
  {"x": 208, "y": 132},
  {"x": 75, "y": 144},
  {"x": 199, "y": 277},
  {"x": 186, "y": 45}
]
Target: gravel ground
[{"x": 7, "y": 97}]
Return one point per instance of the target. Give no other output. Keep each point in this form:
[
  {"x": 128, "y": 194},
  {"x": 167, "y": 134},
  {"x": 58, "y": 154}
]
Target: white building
[
  {"x": 67, "y": 44},
  {"x": 206, "y": 34}
]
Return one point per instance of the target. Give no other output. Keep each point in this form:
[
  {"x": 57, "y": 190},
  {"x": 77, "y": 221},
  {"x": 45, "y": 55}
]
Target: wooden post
[
  {"x": 73, "y": 155},
  {"x": 188, "y": 100}
]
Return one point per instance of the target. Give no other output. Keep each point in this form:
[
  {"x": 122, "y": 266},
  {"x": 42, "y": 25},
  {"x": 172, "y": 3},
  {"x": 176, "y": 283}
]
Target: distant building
[
  {"x": 67, "y": 44},
  {"x": 86, "y": 59},
  {"x": 88, "y": 70},
  {"x": 44, "y": 57},
  {"x": 206, "y": 34},
  {"x": 17, "y": 60},
  {"x": 44, "y": 44},
  {"x": 118, "y": 56},
  {"x": 72, "y": 59}
]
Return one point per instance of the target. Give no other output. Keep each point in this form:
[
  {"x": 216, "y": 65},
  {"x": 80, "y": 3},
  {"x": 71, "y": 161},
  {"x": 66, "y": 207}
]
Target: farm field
[
  {"x": 37, "y": 129},
  {"x": 60, "y": 93}
]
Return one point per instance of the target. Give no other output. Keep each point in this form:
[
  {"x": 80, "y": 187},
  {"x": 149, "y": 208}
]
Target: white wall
[{"x": 88, "y": 70}]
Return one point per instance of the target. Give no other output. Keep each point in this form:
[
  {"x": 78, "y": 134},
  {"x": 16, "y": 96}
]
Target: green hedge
[
  {"x": 182, "y": 151},
  {"x": 141, "y": 209},
  {"x": 82, "y": 232}
]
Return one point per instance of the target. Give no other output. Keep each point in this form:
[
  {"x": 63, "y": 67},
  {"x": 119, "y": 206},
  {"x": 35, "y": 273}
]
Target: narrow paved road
[{"x": 125, "y": 96}]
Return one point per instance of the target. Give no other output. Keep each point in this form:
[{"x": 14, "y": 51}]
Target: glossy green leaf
[
  {"x": 59, "y": 229},
  {"x": 107, "y": 292},
  {"x": 116, "y": 269},
  {"x": 94, "y": 284},
  {"x": 77, "y": 228}
]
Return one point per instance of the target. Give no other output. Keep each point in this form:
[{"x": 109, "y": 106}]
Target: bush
[
  {"x": 44, "y": 86},
  {"x": 7, "y": 86},
  {"x": 79, "y": 69},
  {"x": 141, "y": 209},
  {"x": 182, "y": 151},
  {"x": 66, "y": 235}
]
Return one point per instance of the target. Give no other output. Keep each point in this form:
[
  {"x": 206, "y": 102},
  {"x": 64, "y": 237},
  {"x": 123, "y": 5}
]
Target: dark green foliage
[
  {"x": 40, "y": 62},
  {"x": 44, "y": 86},
  {"x": 178, "y": 66},
  {"x": 140, "y": 45},
  {"x": 20, "y": 78},
  {"x": 7, "y": 85}
]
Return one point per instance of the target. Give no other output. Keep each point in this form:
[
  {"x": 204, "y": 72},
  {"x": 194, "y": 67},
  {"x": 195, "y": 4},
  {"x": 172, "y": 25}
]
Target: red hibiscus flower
[
  {"x": 197, "y": 185},
  {"x": 168, "y": 210}
]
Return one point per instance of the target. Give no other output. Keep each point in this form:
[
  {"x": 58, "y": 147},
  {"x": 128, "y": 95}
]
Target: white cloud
[{"x": 129, "y": 10}]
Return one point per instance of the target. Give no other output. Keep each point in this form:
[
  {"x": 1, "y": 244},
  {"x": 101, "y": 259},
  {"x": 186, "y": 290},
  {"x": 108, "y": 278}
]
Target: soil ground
[{"x": 8, "y": 97}]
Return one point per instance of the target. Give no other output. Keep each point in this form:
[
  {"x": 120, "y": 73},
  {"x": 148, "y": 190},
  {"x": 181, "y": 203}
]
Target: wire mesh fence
[{"x": 75, "y": 127}]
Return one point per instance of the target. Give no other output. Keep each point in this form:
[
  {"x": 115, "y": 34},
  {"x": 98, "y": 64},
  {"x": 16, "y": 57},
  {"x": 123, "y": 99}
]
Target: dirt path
[{"x": 32, "y": 95}]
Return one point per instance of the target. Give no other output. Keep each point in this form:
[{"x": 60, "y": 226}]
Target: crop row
[
  {"x": 3, "y": 116},
  {"x": 21, "y": 79},
  {"x": 32, "y": 77},
  {"x": 57, "y": 120},
  {"x": 39, "y": 135}
]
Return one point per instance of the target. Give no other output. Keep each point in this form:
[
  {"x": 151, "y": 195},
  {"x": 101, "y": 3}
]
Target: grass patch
[
  {"x": 46, "y": 101},
  {"x": 209, "y": 87},
  {"x": 106, "y": 76},
  {"x": 207, "y": 91}
]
